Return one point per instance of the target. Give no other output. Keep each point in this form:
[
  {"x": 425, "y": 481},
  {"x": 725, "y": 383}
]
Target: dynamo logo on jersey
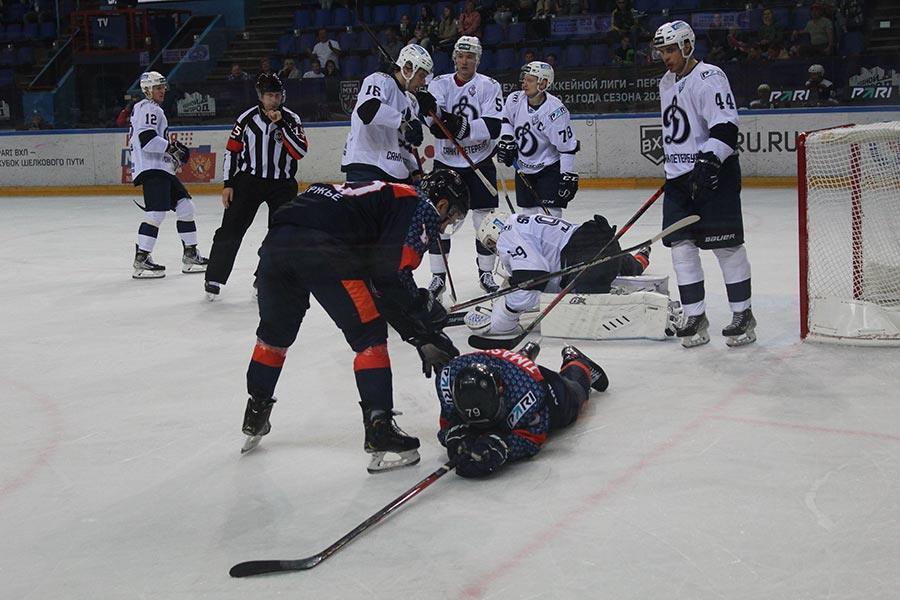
[{"x": 518, "y": 411}]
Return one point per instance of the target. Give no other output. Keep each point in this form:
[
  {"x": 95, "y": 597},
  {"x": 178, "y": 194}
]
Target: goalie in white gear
[
  {"x": 469, "y": 104},
  {"x": 155, "y": 155},
  {"x": 533, "y": 245}
]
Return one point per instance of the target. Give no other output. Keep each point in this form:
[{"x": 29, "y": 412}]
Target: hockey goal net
[{"x": 849, "y": 194}]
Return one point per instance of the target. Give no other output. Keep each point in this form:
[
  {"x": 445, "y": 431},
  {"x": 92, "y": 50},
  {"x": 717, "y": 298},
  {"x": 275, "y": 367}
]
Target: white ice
[{"x": 769, "y": 471}]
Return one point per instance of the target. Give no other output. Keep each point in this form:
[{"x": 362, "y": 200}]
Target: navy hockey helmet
[
  {"x": 446, "y": 184},
  {"x": 478, "y": 395},
  {"x": 269, "y": 82}
]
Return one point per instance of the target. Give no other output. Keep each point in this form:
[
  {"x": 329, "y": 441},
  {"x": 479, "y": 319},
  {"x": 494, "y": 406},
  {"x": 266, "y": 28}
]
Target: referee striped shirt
[{"x": 265, "y": 149}]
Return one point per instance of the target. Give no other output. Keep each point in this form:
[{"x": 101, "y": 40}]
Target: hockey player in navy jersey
[
  {"x": 354, "y": 247},
  {"x": 154, "y": 159},
  {"x": 498, "y": 406},
  {"x": 703, "y": 177},
  {"x": 538, "y": 134}
]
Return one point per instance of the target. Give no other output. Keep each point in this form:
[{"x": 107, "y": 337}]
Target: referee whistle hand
[{"x": 227, "y": 195}]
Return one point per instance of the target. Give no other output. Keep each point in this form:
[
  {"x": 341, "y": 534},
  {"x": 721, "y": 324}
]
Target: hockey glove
[
  {"x": 507, "y": 150},
  {"x": 459, "y": 440},
  {"x": 179, "y": 152},
  {"x": 436, "y": 351},
  {"x": 704, "y": 179},
  {"x": 486, "y": 455},
  {"x": 427, "y": 315},
  {"x": 412, "y": 130},
  {"x": 427, "y": 103},
  {"x": 457, "y": 126},
  {"x": 568, "y": 186}
]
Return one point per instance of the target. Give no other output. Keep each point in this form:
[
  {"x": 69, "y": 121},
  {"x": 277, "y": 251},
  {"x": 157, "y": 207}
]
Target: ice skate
[
  {"x": 256, "y": 421},
  {"x": 742, "y": 330},
  {"x": 695, "y": 331},
  {"x": 486, "y": 281},
  {"x": 212, "y": 290},
  {"x": 384, "y": 437},
  {"x": 531, "y": 350},
  {"x": 438, "y": 285},
  {"x": 599, "y": 380},
  {"x": 675, "y": 318},
  {"x": 144, "y": 267},
  {"x": 192, "y": 261}
]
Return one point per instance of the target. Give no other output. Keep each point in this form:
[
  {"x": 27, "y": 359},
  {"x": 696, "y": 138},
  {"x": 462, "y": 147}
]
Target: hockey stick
[
  {"x": 447, "y": 269},
  {"x": 524, "y": 285},
  {"x": 506, "y": 195},
  {"x": 259, "y": 567},
  {"x": 462, "y": 152},
  {"x": 530, "y": 188}
]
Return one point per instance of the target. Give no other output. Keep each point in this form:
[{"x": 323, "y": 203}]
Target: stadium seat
[
  {"x": 341, "y": 17},
  {"x": 556, "y": 51},
  {"x": 306, "y": 41},
  {"x": 487, "y": 61},
  {"x": 7, "y": 79},
  {"x": 515, "y": 33},
  {"x": 371, "y": 64},
  {"x": 442, "y": 63},
  {"x": 506, "y": 60},
  {"x": 573, "y": 55},
  {"x": 598, "y": 55},
  {"x": 405, "y": 9},
  {"x": 351, "y": 67},
  {"x": 348, "y": 40},
  {"x": 7, "y": 57},
  {"x": 701, "y": 47},
  {"x": 492, "y": 34},
  {"x": 286, "y": 45},
  {"x": 30, "y": 31},
  {"x": 47, "y": 31},
  {"x": 302, "y": 18},
  {"x": 321, "y": 18},
  {"x": 853, "y": 43},
  {"x": 381, "y": 15},
  {"x": 13, "y": 32},
  {"x": 799, "y": 17}
]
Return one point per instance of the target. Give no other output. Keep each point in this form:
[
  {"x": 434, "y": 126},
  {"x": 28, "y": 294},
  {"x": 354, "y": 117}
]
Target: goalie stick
[{"x": 259, "y": 567}]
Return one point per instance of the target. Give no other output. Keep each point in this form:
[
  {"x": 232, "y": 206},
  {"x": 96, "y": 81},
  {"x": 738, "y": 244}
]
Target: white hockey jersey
[
  {"x": 532, "y": 243},
  {"x": 691, "y": 106},
  {"x": 544, "y": 134},
  {"x": 378, "y": 143},
  {"x": 148, "y": 116},
  {"x": 476, "y": 99}
]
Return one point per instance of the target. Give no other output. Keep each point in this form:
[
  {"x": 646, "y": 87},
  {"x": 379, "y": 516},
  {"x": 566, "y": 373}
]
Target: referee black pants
[{"x": 249, "y": 193}]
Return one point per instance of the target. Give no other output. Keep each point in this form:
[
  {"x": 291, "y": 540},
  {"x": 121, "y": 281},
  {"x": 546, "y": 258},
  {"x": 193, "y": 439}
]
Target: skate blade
[
  {"x": 740, "y": 340},
  {"x": 380, "y": 464},
  {"x": 695, "y": 340},
  {"x": 144, "y": 274},
  {"x": 250, "y": 443},
  {"x": 193, "y": 268}
]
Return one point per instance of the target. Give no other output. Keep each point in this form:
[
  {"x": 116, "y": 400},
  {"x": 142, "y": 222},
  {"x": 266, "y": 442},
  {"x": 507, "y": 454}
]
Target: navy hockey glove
[
  {"x": 412, "y": 131},
  {"x": 704, "y": 179},
  {"x": 435, "y": 350},
  {"x": 457, "y": 126},
  {"x": 486, "y": 455},
  {"x": 459, "y": 440},
  {"x": 427, "y": 103},
  {"x": 179, "y": 152},
  {"x": 568, "y": 186},
  {"x": 507, "y": 150}
]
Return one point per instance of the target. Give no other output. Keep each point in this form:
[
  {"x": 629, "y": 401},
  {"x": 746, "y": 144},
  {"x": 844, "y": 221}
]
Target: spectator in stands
[
  {"x": 420, "y": 38},
  {"x": 331, "y": 69},
  {"x": 392, "y": 43},
  {"x": 546, "y": 9},
  {"x": 37, "y": 121},
  {"x": 754, "y": 55},
  {"x": 237, "y": 73},
  {"x": 776, "y": 51},
  {"x": 315, "y": 70},
  {"x": 551, "y": 60},
  {"x": 624, "y": 54},
  {"x": 770, "y": 31},
  {"x": 574, "y": 7},
  {"x": 289, "y": 70},
  {"x": 37, "y": 11},
  {"x": 429, "y": 25},
  {"x": 850, "y": 16},
  {"x": 405, "y": 29},
  {"x": 326, "y": 49},
  {"x": 448, "y": 29},
  {"x": 763, "y": 97},
  {"x": 529, "y": 56},
  {"x": 123, "y": 120},
  {"x": 623, "y": 20},
  {"x": 717, "y": 38},
  {"x": 265, "y": 66},
  {"x": 503, "y": 14},
  {"x": 821, "y": 90},
  {"x": 525, "y": 10},
  {"x": 821, "y": 34},
  {"x": 470, "y": 20}
]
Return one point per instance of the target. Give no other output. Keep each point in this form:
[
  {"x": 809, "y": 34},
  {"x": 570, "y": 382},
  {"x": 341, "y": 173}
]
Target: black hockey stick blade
[
  {"x": 485, "y": 343},
  {"x": 261, "y": 567},
  {"x": 456, "y": 318}
]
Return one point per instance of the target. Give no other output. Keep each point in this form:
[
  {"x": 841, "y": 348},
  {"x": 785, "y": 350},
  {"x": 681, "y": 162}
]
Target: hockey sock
[
  {"x": 689, "y": 273},
  {"x": 264, "y": 370},
  {"x": 187, "y": 228},
  {"x": 736, "y": 273},
  {"x": 485, "y": 258},
  {"x": 372, "y": 368},
  {"x": 149, "y": 229}
]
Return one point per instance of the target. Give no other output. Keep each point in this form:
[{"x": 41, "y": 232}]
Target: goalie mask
[
  {"x": 543, "y": 71},
  {"x": 269, "y": 82},
  {"x": 478, "y": 395},
  {"x": 490, "y": 228},
  {"x": 675, "y": 32},
  {"x": 468, "y": 43},
  {"x": 446, "y": 184},
  {"x": 151, "y": 79}
]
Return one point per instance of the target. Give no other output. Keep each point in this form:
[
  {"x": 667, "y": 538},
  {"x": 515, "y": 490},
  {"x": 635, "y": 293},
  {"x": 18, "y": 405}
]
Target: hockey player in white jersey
[
  {"x": 470, "y": 105},
  {"x": 384, "y": 125},
  {"x": 530, "y": 246},
  {"x": 703, "y": 177},
  {"x": 538, "y": 134},
  {"x": 154, "y": 159}
]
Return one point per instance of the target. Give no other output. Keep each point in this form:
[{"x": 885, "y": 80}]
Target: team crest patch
[{"x": 472, "y": 90}]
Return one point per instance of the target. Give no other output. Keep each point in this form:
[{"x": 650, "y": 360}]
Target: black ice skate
[
  {"x": 695, "y": 331},
  {"x": 599, "y": 380},
  {"x": 742, "y": 330},
  {"x": 531, "y": 350},
  {"x": 256, "y": 421},
  {"x": 486, "y": 281},
  {"x": 212, "y": 290},
  {"x": 383, "y": 437},
  {"x": 144, "y": 267},
  {"x": 438, "y": 285},
  {"x": 192, "y": 261}
]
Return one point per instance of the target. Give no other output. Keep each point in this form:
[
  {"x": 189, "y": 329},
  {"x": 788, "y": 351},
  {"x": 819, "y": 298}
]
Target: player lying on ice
[{"x": 498, "y": 406}]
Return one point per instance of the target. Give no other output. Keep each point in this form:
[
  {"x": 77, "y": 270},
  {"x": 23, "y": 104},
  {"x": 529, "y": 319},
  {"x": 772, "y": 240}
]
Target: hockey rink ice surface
[{"x": 769, "y": 471}]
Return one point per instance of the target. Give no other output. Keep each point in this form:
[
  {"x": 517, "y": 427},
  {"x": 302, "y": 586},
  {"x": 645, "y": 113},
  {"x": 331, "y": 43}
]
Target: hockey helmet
[
  {"x": 478, "y": 395},
  {"x": 417, "y": 57},
  {"x": 817, "y": 70},
  {"x": 269, "y": 82},
  {"x": 446, "y": 184},
  {"x": 151, "y": 79},
  {"x": 468, "y": 43},
  {"x": 675, "y": 32},
  {"x": 543, "y": 71},
  {"x": 490, "y": 228}
]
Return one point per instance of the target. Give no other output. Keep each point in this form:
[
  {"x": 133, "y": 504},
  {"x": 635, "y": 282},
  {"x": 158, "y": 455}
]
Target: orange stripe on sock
[
  {"x": 375, "y": 357},
  {"x": 269, "y": 355},
  {"x": 362, "y": 299},
  {"x": 642, "y": 259},
  {"x": 581, "y": 365},
  {"x": 535, "y": 438}
]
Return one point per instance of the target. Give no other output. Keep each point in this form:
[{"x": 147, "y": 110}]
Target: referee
[{"x": 260, "y": 166}]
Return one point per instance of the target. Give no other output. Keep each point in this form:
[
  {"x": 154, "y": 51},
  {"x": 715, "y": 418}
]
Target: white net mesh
[{"x": 853, "y": 221}]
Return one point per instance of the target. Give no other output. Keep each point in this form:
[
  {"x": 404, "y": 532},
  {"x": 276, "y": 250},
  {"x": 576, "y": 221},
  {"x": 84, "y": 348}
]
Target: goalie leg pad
[
  {"x": 607, "y": 316},
  {"x": 640, "y": 283}
]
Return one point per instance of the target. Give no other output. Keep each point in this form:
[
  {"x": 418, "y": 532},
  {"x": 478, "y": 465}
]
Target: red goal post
[{"x": 849, "y": 233}]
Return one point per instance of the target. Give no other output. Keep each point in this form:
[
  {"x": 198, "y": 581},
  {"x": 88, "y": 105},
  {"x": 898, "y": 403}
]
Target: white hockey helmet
[
  {"x": 151, "y": 79},
  {"x": 417, "y": 56},
  {"x": 490, "y": 228},
  {"x": 817, "y": 70},
  {"x": 468, "y": 43},
  {"x": 675, "y": 32},
  {"x": 543, "y": 71}
]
